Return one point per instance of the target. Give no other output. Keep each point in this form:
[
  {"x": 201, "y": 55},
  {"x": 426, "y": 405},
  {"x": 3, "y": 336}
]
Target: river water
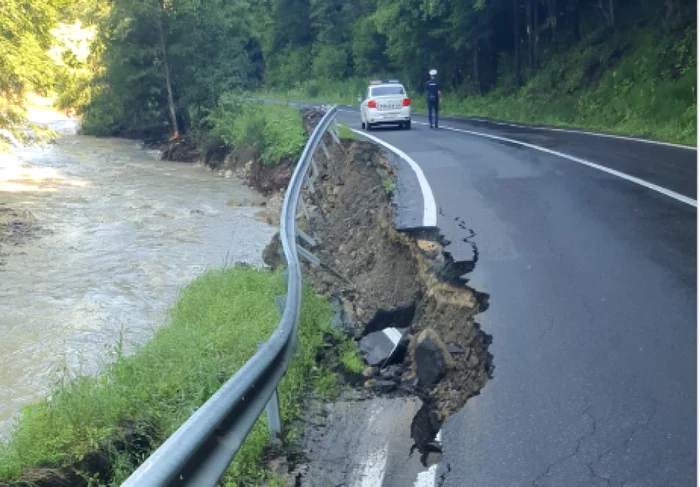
[{"x": 119, "y": 234}]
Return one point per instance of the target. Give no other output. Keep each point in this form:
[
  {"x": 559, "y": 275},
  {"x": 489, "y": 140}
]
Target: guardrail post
[
  {"x": 272, "y": 408},
  {"x": 274, "y": 421}
]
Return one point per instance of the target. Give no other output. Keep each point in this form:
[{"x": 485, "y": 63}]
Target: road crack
[
  {"x": 577, "y": 448},
  {"x": 623, "y": 445}
]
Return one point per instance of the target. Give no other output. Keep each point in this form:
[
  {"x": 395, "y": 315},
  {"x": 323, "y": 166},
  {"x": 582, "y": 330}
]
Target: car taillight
[
  {"x": 372, "y": 104},
  {"x": 406, "y": 102}
]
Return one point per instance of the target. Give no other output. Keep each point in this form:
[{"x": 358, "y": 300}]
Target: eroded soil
[{"x": 385, "y": 278}]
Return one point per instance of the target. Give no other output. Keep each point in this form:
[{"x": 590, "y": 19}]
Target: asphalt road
[{"x": 592, "y": 283}]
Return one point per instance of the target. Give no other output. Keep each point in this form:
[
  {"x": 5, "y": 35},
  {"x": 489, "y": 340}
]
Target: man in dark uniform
[{"x": 432, "y": 90}]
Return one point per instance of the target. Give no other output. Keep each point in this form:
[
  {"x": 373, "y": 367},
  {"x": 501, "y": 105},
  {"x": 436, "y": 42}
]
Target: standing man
[{"x": 432, "y": 90}]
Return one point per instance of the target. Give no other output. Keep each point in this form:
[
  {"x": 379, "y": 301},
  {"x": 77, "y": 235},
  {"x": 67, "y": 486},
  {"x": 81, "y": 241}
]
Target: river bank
[{"x": 115, "y": 234}]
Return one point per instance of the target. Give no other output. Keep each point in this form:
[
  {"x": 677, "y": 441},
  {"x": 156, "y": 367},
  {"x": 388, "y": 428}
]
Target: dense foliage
[
  {"x": 274, "y": 131},
  {"x": 24, "y": 61},
  {"x": 162, "y": 66},
  {"x": 607, "y": 63}
]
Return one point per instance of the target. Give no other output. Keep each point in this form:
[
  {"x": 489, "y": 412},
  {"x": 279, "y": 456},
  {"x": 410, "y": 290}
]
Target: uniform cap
[{"x": 433, "y": 72}]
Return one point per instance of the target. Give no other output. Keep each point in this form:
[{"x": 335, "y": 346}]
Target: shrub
[{"x": 275, "y": 131}]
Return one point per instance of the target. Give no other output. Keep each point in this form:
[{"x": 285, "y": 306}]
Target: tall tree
[{"x": 25, "y": 38}]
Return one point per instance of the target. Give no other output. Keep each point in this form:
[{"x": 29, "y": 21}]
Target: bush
[
  {"x": 289, "y": 66},
  {"x": 329, "y": 62},
  {"x": 276, "y": 132}
]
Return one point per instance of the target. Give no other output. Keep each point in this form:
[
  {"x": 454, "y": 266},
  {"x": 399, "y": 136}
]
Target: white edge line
[
  {"x": 429, "y": 206},
  {"x": 393, "y": 334},
  {"x": 563, "y": 130},
  {"x": 641, "y": 182},
  {"x": 428, "y": 478},
  {"x": 583, "y": 132}
]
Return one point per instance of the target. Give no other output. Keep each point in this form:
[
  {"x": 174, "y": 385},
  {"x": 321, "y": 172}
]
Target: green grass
[
  {"x": 351, "y": 360},
  {"x": 345, "y": 132},
  {"x": 276, "y": 132},
  {"x": 215, "y": 327}
]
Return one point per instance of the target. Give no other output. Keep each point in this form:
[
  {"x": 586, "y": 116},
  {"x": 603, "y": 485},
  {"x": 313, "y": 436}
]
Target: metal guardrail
[{"x": 200, "y": 451}]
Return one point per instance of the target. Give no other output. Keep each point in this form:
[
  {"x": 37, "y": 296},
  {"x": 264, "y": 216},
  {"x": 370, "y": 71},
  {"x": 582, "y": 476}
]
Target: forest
[{"x": 171, "y": 67}]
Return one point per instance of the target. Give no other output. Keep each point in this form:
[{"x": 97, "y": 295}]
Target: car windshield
[{"x": 387, "y": 90}]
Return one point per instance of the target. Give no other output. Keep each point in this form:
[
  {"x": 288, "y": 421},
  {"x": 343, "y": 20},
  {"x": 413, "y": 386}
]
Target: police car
[{"x": 386, "y": 102}]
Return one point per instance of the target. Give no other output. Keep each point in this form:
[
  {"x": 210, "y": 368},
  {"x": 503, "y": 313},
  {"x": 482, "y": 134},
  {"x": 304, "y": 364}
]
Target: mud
[
  {"x": 385, "y": 278},
  {"x": 17, "y": 227},
  {"x": 182, "y": 149}
]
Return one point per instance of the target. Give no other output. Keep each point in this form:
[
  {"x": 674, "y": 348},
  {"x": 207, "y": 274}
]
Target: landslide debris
[{"x": 385, "y": 278}]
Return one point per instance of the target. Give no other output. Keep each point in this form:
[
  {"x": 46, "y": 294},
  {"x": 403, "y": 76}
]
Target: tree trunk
[
  {"x": 528, "y": 27},
  {"x": 577, "y": 23},
  {"x": 168, "y": 82},
  {"x": 475, "y": 63},
  {"x": 672, "y": 9},
  {"x": 553, "y": 17},
  {"x": 516, "y": 52},
  {"x": 536, "y": 33},
  {"x": 611, "y": 4},
  {"x": 607, "y": 7}
]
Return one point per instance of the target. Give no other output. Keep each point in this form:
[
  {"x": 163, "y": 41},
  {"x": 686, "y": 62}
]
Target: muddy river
[{"x": 118, "y": 233}]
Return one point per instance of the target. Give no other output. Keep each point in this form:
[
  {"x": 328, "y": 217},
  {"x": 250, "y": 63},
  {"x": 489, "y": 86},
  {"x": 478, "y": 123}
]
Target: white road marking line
[
  {"x": 429, "y": 205},
  {"x": 584, "y": 132},
  {"x": 565, "y": 130},
  {"x": 428, "y": 478},
  {"x": 393, "y": 334},
  {"x": 370, "y": 473},
  {"x": 627, "y": 177}
]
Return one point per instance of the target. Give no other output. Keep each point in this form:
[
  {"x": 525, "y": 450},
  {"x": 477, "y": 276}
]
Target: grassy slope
[
  {"x": 637, "y": 82},
  {"x": 215, "y": 327},
  {"x": 640, "y": 83}
]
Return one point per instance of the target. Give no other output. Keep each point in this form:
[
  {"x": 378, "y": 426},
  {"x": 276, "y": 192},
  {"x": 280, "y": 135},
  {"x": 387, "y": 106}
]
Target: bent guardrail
[{"x": 200, "y": 451}]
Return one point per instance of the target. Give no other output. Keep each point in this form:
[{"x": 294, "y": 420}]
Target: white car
[{"x": 385, "y": 103}]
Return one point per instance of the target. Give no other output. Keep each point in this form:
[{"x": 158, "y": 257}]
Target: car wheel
[
  {"x": 407, "y": 125},
  {"x": 369, "y": 126},
  {"x": 363, "y": 125}
]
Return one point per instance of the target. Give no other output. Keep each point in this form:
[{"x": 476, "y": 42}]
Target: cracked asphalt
[{"x": 592, "y": 283}]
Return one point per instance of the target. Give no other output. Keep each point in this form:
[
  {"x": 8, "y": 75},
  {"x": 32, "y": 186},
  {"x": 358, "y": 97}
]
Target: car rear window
[{"x": 388, "y": 90}]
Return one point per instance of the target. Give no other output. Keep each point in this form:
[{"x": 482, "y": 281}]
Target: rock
[
  {"x": 431, "y": 358},
  {"x": 379, "y": 346},
  {"x": 391, "y": 372},
  {"x": 370, "y": 372},
  {"x": 454, "y": 349},
  {"x": 385, "y": 385},
  {"x": 228, "y": 174},
  {"x": 369, "y": 384},
  {"x": 271, "y": 255}
]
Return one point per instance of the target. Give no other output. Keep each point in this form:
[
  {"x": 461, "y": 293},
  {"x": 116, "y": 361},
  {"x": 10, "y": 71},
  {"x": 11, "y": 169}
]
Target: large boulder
[{"x": 431, "y": 358}]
